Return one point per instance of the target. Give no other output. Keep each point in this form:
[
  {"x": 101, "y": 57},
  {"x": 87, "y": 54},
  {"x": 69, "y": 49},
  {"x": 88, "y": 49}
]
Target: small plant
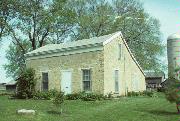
[
  {"x": 109, "y": 96},
  {"x": 148, "y": 93},
  {"x": 58, "y": 101}
]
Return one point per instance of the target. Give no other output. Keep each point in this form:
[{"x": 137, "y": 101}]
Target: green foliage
[
  {"x": 172, "y": 91},
  {"x": 100, "y": 17},
  {"x": 26, "y": 84},
  {"x": 6, "y": 7},
  {"x": 92, "y": 97},
  {"x": 59, "y": 99},
  {"x": 109, "y": 96},
  {"x": 133, "y": 93},
  {"x": 32, "y": 23},
  {"x": 144, "y": 93},
  {"x": 2, "y": 93},
  {"x": 123, "y": 109},
  {"x": 16, "y": 59},
  {"x": 52, "y": 21},
  {"x": 74, "y": 96},
  {"x": 45, "y": 95},
  {"x": 85, "y": 96}
]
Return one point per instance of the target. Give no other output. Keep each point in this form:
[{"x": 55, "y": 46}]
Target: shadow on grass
[
  {"x": 54, "y": 112},
  {"x": 160, "y": 112}
]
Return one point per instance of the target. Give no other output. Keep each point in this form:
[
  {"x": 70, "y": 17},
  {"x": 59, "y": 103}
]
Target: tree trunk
[{"x": 177, "y": 106}]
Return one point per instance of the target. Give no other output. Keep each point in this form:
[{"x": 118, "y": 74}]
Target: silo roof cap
[{"x": 174, "y": 36}]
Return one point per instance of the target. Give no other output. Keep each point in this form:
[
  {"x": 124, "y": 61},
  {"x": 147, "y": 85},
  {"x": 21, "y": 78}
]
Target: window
[
  {"x": 116, "y": 77},
  {"x": 86, "y": 80},
  {"x": 45, "y": 81},
  {"x": 120, "y": 52}
]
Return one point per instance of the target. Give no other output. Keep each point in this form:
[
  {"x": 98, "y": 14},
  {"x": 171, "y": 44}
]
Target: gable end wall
[{"x": 129, "y": 72}]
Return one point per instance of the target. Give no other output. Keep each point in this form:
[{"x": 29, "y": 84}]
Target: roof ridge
[{"x": 78, "y": 43}]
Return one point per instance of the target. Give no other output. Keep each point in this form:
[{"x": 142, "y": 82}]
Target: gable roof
[
  {"x": 81, "y": 44},
  {"x": 71, "y": 45},
  {"x": 11, "y": 83},
  {"x": 150, "y": 74}
]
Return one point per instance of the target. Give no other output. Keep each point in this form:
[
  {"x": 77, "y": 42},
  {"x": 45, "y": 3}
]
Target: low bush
[
  {"x": 74, "y": 96},
  {"x": 149, "y": 93},
  {"x": 45, "y": 95},
  {"x": 132, "y": 94},
  {"x": 144, "y": 93},
  {"x": 92, "y": 97},
  {"x": 109, "y": 96},
  {"x": 85, "y": 96},
  {"x": 2, "y": 93}
]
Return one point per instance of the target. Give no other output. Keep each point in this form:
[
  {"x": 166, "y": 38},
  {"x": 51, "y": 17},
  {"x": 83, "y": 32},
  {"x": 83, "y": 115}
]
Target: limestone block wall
[
  {"x": 134, "y": 76},
  {"x": 128, "y": 70},
  {"x": 75, "y": 63}
]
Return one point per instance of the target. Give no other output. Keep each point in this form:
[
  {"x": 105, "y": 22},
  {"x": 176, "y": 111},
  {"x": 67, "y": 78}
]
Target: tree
[
  {"x": 141, "y": 32},
  {"x": 36, "y": 22},
  {"x": 6, "y": 14},
  {"x": 172, "y": 91},
  {"x": 16, "y": 59},
  {"x": 40, "y": 22}
]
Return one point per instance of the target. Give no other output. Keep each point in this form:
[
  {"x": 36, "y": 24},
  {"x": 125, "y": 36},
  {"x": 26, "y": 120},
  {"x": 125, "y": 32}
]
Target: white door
[{"x": 66, "y": 81}]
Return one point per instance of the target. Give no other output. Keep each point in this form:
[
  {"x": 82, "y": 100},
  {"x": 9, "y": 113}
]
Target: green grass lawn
[{"x": 123, "y": 109}]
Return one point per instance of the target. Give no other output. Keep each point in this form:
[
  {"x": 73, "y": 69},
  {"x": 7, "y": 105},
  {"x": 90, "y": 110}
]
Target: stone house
[{"x": 101, "y": 65}]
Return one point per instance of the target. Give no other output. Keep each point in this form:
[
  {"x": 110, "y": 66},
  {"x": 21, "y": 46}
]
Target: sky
[{"x": 166, "y": 11}]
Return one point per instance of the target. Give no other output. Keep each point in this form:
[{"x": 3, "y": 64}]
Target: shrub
[
  {"x": 144, "y": 93},
  {"x": 26, "y": 84},
  {"x": 133, "y": 93},
  {"x": 45, "y": 95},
  {"x": 148, "y": 93},
  {"x": 85, "y": 96},
  {"x": 92, "y": 97},
  {"x": 2, "y": 93},
  {"x": 109, "y": 96},
  {"x": 172, "y": 90},
  {"x": 74, "y": 96},
  {"x": 59, "y": 100}
]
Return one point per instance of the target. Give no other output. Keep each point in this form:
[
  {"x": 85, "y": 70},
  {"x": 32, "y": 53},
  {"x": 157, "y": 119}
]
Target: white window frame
[
  {"x": 88, "y": 80},
  {"x": 116, "y": 81}
]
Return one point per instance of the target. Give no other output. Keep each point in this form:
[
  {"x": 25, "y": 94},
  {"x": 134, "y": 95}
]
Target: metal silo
[{"x": 173, "y": 53}]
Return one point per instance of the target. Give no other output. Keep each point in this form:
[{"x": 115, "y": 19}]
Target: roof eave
[{"x": 63, "y": 50}]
